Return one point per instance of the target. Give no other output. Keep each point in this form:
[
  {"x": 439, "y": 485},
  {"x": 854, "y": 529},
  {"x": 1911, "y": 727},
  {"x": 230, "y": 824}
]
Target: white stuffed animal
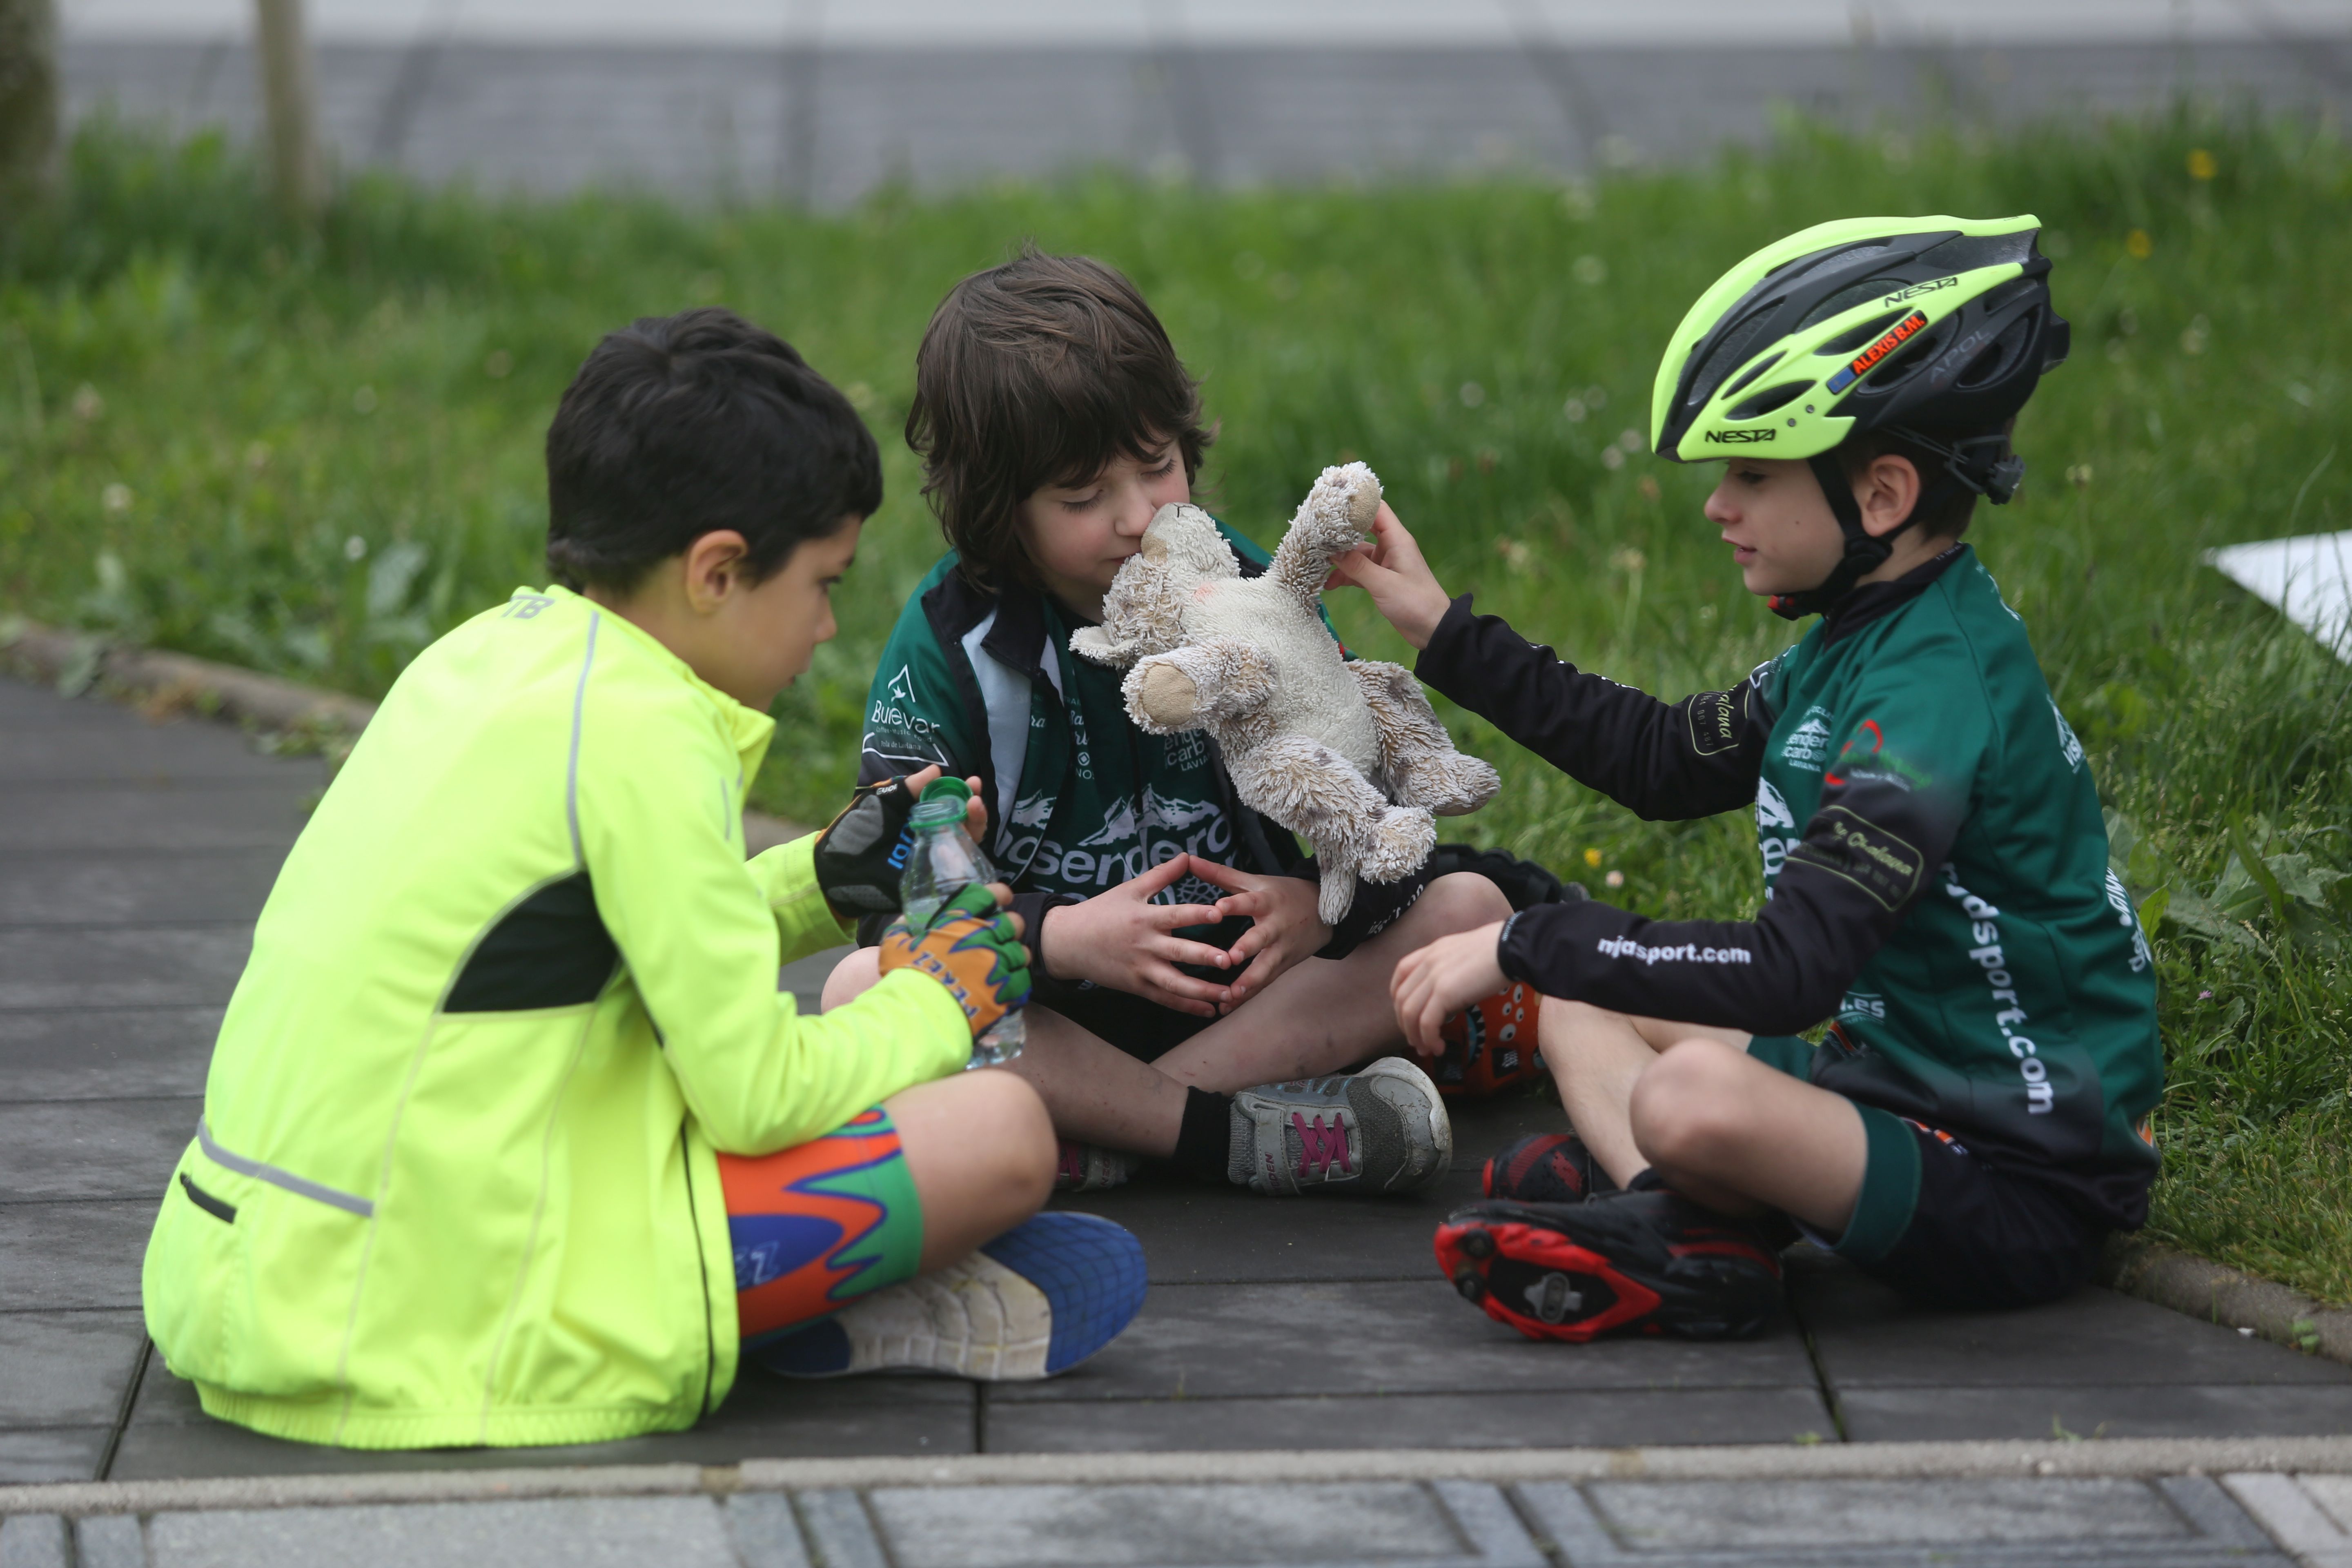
[{"x": 1346, "y": 754}]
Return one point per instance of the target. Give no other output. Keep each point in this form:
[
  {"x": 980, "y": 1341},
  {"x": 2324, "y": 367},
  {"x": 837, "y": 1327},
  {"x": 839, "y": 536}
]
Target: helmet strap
[{"x": 1863, "y": 551}]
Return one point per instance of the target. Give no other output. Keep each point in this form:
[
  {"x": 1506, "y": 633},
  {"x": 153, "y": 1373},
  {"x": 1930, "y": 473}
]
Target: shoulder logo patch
[
  {"x": 1712, "y": 730},
  {"x": 1876, "y": 861}
]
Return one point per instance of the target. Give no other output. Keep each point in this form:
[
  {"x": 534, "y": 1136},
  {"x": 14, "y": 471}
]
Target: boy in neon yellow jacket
[{"x": 509, "y": 1136}]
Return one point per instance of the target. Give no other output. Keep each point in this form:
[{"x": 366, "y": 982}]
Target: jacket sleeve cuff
[
  {"x": 1437, "y": 665},
  {"x": 787, "y": 877},
  {"x": 1033, "y": 908}
]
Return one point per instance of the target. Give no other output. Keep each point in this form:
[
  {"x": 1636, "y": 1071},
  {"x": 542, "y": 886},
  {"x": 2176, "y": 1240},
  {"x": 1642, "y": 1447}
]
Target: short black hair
[
  {"x": 1945, "y": 508},
  {"x": 1039, "y": 373},
  {"x": 680, "y": 426}
]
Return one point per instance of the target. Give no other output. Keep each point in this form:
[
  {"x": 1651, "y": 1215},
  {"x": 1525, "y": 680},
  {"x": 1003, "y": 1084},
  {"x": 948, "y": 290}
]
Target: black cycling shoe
[
  {"x": 1546, "y": 1168},
  {"x": 1629, "y": 1262}
]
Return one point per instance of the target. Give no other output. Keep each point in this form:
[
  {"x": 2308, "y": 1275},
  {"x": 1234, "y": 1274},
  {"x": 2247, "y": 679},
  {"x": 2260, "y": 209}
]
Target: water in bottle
[{"x": 941, "y": 861}]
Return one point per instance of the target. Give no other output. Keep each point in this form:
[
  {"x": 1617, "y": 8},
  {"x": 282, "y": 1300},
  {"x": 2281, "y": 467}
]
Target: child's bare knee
[
  {"x": 853, "y": 976},
  {"x": 1686, "y": 1106},
  {"x": 1026, "y": 1153},
  {"x": 1464, "y": 901}
]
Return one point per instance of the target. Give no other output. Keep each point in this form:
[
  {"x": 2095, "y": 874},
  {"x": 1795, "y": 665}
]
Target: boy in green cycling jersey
[{"x": 1935, "y": 864}]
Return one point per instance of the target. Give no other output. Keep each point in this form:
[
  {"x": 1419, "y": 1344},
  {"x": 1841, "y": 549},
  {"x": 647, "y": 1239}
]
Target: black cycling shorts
[{"x": 1944, "y": 1227}]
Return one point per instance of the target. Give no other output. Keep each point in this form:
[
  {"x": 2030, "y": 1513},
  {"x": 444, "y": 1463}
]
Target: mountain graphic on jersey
[{"x": 1120, "y": 823}]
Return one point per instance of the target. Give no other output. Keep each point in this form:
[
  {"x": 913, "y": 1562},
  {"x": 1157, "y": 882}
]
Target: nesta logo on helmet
[
  {"x": 1917, "y": 289},
  {"x": 1738, "y": 437},
  {"x": 1901, "y": 333}
]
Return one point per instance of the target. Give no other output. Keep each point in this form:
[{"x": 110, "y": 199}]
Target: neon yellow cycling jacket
[{"x": 455, "y": 1179}]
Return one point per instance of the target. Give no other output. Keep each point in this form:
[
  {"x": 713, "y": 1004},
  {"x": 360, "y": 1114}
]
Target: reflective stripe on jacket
[{"x": 455, "y": 1180}]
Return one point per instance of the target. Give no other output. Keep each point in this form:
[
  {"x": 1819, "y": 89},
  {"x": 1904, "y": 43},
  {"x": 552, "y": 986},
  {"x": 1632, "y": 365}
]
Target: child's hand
[
  {"x": 1392, "y": 571},
  {"x": 1122, "y": 939},
  {"x": 1285, "y": 927},
  {"x": 972, "y": 949},
  {"x": 853, "y": 859},
  {"x": 1432, "y": 985}
]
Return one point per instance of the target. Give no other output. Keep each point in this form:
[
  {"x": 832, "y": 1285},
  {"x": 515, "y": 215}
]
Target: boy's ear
[
  {"x": 713, "y": 563},
  {"x": 1885, "y": 492}
]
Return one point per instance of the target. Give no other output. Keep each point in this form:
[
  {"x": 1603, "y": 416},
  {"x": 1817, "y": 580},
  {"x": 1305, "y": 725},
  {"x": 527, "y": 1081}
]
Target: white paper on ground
[{"x": 2308, "y": 578}]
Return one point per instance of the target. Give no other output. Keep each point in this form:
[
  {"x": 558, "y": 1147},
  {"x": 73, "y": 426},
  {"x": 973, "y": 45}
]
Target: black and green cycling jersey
[
  {"x": 1935, "y": 861},
  {"x": 1080, "y": 799}
]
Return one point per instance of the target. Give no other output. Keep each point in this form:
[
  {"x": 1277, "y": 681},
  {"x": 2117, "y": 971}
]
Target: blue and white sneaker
[{"x": 1039, "y": 1299}]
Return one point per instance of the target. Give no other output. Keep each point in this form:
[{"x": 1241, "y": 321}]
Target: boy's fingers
[
  {"x": 1198, "y": 952},
  {"x": 917, "y": 780},
  {"x": 1223, "y": 877},
  {"x": 1170, "y": 917},
  {"x": 1160, "y": 878}
]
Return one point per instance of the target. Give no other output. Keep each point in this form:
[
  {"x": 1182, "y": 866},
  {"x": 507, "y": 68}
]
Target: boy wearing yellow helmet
[{"x": 1934, "y": 861}]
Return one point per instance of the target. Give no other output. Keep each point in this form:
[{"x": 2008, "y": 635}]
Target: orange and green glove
[{"x": 969, "y": 947}]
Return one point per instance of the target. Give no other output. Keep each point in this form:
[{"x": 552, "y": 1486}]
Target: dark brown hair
[{"x": 1040, "y": 373}]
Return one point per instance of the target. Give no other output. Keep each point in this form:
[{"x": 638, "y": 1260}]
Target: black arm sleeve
[
  {"x": 1658, "y": 760},
  {"x": 1865, "y": 856}
]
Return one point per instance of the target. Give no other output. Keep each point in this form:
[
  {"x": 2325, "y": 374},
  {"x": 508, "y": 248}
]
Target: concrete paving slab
[
  {"x": 1605, "y": 1418},
  {"x": 52, "y": 1454},
  {"x": 1147, "y": 1526},
  {"x": 137, "y": 889},
  {"x": 2291, "y": 1508},
  {"x": 2142, "y": 1410},
  {"x": 183, "y": 752},
  {"x": 261, "y": 814},
  {"x": 1870, "y": 1337},
  {"x": 69, "y": 1255},
  {"x": 109, "y": 1541},
  {"x": 764, "y": 1417},
  {"x": 73, "y": 1053},
  {"x": 67, "y": 1369},
  {"x": 93, "y": 1148},
  {"x": 2174, "y": 1521},
  {"x": 28, "y": 707},
  {"x": 34, "y": 1541},
  {"x": 584, "y": 1532},
  {"x": 1209, "y": 1342},
  {"x": 121, "y": 966}
]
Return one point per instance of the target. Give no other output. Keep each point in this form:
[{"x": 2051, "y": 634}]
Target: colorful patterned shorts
[{"x": 819, "y": 1225}]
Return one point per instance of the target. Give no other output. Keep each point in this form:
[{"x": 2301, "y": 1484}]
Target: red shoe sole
[{"x": 1541, "y": 1283}]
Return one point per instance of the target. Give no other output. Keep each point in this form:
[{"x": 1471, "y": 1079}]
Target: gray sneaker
[{"x": 1383, "y": 1130}]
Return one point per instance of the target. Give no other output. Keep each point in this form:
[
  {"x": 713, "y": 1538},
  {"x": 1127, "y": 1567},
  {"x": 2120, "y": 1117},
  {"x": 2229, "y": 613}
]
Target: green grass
[{"x": 314, "y": 453}]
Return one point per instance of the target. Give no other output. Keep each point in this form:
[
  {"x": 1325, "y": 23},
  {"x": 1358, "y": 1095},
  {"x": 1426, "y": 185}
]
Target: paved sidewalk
[
  {"x": 783, "y": 119},
  {"x": 134, "y": 855}
]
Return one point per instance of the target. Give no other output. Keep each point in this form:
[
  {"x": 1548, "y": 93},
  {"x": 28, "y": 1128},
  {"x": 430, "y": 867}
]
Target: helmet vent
[
  {"x": 1769, "y": 400},
  {"x": 1969, "y": 251},
  {"x": 1845, "y": 299},
  {"x": 1725, "y": 356},
  {"x": 1751, "y": 372}
]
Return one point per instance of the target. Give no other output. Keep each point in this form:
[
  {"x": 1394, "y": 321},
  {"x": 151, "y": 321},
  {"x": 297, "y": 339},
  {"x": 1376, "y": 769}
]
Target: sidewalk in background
[{"x": 794, "y": 101}]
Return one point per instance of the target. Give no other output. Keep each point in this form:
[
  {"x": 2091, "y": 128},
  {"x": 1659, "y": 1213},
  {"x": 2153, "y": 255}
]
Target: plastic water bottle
[{"x": 941, "y": 861}]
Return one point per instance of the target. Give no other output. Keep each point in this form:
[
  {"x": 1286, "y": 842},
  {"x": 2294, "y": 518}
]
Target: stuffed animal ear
[{"x": 1094, "y": 643}]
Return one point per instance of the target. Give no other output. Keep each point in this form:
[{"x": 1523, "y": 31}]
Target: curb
[
  {"x": 163, "y": 684},
  {"x": 2219, "y": 1294},
  {"x": 2108, "y": 1458}
]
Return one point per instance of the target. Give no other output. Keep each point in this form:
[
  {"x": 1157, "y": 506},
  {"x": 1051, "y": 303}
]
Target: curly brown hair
[{"x": 1040, "y": 373}]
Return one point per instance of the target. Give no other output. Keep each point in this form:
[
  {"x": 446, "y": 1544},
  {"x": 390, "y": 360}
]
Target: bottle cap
[{"x": 943, "y": 805}]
